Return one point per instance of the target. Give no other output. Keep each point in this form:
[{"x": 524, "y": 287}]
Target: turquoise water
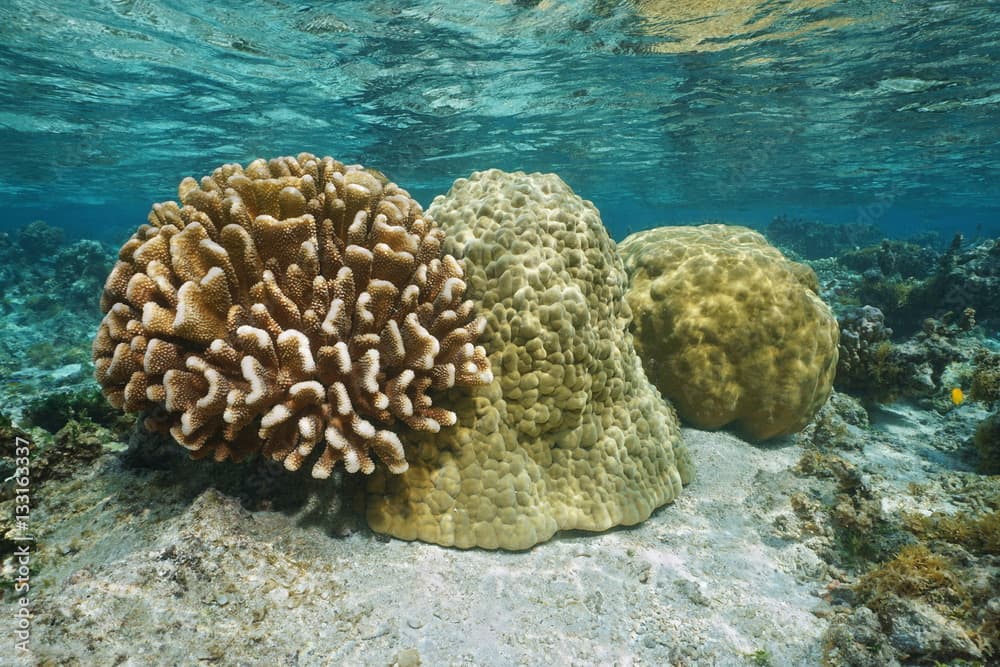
[{"x": 659, "y": 112}]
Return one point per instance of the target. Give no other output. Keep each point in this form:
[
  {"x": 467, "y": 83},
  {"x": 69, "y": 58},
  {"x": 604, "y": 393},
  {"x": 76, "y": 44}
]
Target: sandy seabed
[{"x": 143, "y": 569}]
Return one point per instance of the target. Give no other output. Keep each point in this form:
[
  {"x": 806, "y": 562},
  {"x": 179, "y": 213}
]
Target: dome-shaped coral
[
  {"x": 729, "y": 329},
  {"x": 571, "y": 434},
  {"x": 299, "y": 307}
]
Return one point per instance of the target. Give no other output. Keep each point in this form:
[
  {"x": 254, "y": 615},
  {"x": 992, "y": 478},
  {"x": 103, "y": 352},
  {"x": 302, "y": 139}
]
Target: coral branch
[{"x": 298, "y": 307}]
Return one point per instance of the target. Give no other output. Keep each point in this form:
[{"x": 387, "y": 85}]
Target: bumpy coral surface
[
  {"x": 729, "y": 329},
  {"x": 986, "y": 376},
  {"x": 298, "y": 307},
  {"x": 570, "y": 435},
  {"x": 865, "y": 353}
]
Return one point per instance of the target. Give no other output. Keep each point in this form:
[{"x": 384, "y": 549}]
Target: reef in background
[
  {"x": 888, "y": 516},
  {"x": 49, "y": 295},
  {"x": 915, "y": 551}
]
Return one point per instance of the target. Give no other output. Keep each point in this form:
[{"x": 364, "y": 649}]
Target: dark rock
[{"x": 856, "y": 639}]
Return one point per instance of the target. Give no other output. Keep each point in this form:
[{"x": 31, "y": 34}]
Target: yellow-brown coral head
[
  {"x": 298, "y": 307},
  {"x": 731, "y": 331}
]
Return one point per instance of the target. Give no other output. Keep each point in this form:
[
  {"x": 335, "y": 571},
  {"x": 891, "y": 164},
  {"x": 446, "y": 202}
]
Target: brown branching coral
[{"x": 298, "y": 307}]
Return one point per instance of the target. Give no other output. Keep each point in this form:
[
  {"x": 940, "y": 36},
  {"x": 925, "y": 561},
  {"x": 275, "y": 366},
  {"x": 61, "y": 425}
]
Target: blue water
[{"x": 659, "y": 112}]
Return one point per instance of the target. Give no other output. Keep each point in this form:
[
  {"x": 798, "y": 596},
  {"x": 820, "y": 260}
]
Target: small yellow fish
[{"x": 957, "y": 396}]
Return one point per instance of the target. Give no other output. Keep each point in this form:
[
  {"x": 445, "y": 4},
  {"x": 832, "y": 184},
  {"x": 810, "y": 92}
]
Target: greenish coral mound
[
  {"x": 729, "y": 329},
  {"x": 570, "y": 434},
  {"x": 39, "y": 239},
  {"x": 52, "y": 411}
]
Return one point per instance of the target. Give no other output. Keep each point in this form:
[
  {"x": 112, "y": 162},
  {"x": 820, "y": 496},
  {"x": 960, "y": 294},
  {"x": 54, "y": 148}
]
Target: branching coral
[{"x": 298, "y": 307}]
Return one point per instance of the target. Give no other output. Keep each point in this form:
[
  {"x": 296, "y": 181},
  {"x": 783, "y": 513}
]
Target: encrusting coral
[
  {"x": 298, "y": 307},
  {"x": 729, "y": 329},
  {"x": 570, "y": 435}
]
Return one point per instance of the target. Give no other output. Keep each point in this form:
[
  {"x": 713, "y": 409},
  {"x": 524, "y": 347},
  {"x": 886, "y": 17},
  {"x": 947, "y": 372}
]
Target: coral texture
[
  {"x": 987, "y": 442},
  {"x": 875, "y": 369},
  {"x": 986, "y": 376},
  {"x": 892, "y": 258},
  {"x": 570, "y": 435},
  {"x": 967, "y": 278},
  {"x": 860, "y": 330},
  {"x": 729, "y": 329},
  {"x": 39, "y": 238},
  {"x": 299, "y": 307},
  {"x": 865, "y": 365}
]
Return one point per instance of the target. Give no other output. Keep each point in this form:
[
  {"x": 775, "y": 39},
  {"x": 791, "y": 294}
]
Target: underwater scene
[{"x": 500, "y": 332}]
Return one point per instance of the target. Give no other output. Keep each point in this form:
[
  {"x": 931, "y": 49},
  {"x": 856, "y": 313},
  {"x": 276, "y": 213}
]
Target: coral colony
[
  {"x": 289, "y": 309},
  {"x": 306, "y": 310},
  {"x": 741, "y": 336}
]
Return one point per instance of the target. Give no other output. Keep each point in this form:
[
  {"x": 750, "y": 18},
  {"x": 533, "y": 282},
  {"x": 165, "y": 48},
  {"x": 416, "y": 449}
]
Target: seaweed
[
  {"x": 977, "y": 533},
  {"x": 915, "y": 571}
]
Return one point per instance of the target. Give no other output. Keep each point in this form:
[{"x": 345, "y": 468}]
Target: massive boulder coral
[
  {"x": 729, "y": 329},
  {"x": 570, "y": 434},
  {"x": 298, "y": 307}
]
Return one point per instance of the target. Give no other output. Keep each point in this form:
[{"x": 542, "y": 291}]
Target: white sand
[{"x": 160, "y": 580}]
